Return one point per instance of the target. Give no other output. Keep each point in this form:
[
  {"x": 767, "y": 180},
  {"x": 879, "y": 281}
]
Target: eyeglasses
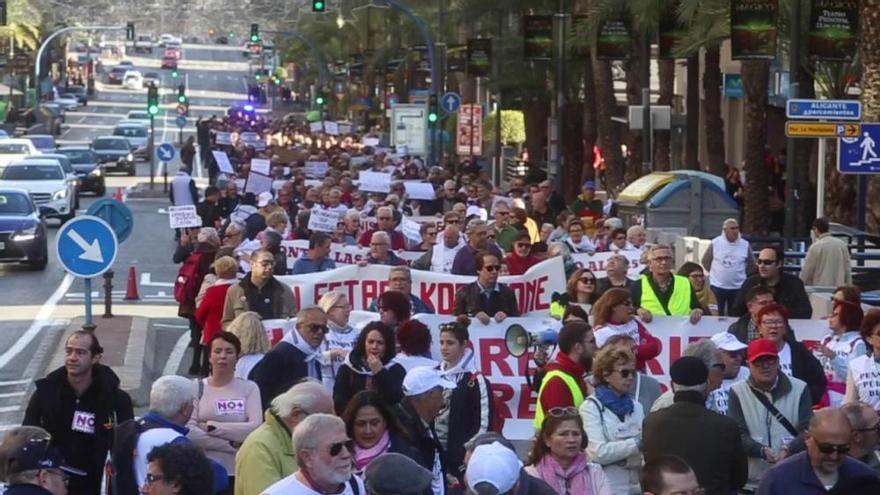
[
  {"x": 697, "y": 275},
  {"x": 626, "y": 372},
  {"x": 562, "y": 412},
  {"x": 152, "y": 478},
  {"x": 876, "y": 428},
  {"x": 336, "y": 448},
  {"x": 766, "y": 262},
  {"x": 452, "y": 222},
  {"x": 523, "y": 245},
  {"x": 502, "y": 213},
  {"x": 828, "y": 448},
  {"x": 492, "y": 268},
  {"x": 315, "y": 328},
  {"x": 587, "y": 280}
]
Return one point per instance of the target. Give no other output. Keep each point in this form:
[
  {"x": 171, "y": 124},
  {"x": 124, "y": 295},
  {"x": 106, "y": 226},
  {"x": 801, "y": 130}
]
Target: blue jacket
[
  {"x": 795, "y": 476},
  {"x": 418, "y": 306},
  {"x": 305, "y": 265}
]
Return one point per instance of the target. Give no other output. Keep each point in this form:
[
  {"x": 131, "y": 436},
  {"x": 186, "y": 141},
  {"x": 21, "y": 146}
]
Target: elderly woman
[
  {"x": 341, "y": 337},
  {"x": 697, "y": 277},
  {"x": 580, "y": 290},
  {"x": 248, "y": 327},
  {"x": 837, "y": 349},
  {"x": 558, "y": 456},
  {"x": 578, "y": 241},
  {"x": 613, "y": 314},
  {"x": 637, "y": 237},
  {"x": 351, "y": 230},
  {"x": 370, "y": 366},
  {"x": 613, "y": 420},
  {"x": 414, "y": 341}
]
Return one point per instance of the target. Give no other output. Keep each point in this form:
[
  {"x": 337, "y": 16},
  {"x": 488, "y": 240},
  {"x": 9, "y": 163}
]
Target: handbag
[{"x": 775, "y": 412}]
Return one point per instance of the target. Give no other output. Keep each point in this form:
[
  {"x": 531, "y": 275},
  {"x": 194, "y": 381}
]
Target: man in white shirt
[
  {"x": 732, "y": 355},
  {"x": 729, "y": 260}
]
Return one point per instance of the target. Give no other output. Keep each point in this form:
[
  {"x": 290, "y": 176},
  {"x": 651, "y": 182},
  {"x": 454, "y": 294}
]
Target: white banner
[
  {"x": 597, "y": 263},
  {"x": 180, "y": 217},
  {"x": 222, "y": 160},
  {"x": 323, "y": 220}
]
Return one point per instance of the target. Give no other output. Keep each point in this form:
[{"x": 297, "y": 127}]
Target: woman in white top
[
  {"x": 863, "y": 378},
  {"x": 254, "y": 342},
  {"x": 226, "y": 409},
  {"x": 613, "y": 420},
  {"x": 838, "y": 348},
  {"x": 341, "y": 337},
  {"x": 577, "y": 241}
]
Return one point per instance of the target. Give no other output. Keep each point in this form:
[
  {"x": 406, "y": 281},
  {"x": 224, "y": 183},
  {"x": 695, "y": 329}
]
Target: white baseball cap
[
  {"x": 264, "y": 199},
  {"x": 422, "y": 379},
  {"x": 727, "y": 341},
  {"x": 494, "y": 464}
]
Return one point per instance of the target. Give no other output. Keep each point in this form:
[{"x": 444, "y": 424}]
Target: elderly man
[
  {"x": 423, "y": 389},
  {"x": 729, "y": 260},
  {"x": 440, "y": 256},
  {"x": 617, "y": 267},
  {"x": 299, "y": 355},
  {"x": 732, "y": 352},
  {"x": 259, "y": 291},
  {"x": 494, "y": 469},
  {"x": 385, "y": 223},
  {"x": 351, "y": 227},
  {"x": 827, "y": 263},
  {"x": 824, "y": 467},
  {"x": 36, "y": 468},
  {"x": 771, "y": 409},
  {"x": 788, "y": 290},
  {"x": 540, "y": 210},
  {"x": 486, "y": 299},
  {"x": 505, "y": 233},
  {"x": 396, "y": 474},
  {"x": 450, "y": 197},
  {"x": 637, "y": 237},
  {"x": 745, "y": 329},
  {"x": 318, "y": 257},
  {"x": 554, "y": 199},
  {"x": 708, "y": 441},
  {"x": 264, "y": 457},
  {"x": 865, "y": 433},
  {"x": 662, "y": 292},
  {"x": 380, "y": 252},
  {"x": 465, "y": 262},
  {"x": 400, "y": 279},
  {"x": 706, "y": 351},
  {"x": 323, "y": 454}
]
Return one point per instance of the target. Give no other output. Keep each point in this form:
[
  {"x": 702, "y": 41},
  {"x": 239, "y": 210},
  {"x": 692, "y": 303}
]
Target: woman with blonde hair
[
  {"x": 209, "y": 312},
  {"x": 341, "y": 337},
  {"x": 248, "y": 327}
]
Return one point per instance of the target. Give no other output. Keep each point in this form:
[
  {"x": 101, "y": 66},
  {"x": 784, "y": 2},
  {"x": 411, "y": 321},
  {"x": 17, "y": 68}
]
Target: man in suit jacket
[{"x": 486, "y": 299}]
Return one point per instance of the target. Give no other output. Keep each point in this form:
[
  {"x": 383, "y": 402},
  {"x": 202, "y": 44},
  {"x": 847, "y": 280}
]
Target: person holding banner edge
[
  {"x": 486, "y": 296},
  {"x": 662, "y": 292}
]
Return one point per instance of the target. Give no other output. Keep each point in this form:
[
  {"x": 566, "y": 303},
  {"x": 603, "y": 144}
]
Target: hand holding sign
[
  {"x": 223, "y": 163},
  {"x": 323, "y": 220}
]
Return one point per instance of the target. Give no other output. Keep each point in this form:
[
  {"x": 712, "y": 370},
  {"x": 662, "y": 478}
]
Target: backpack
[
  {"x": 120, "y": 470},
  {"x": 187, "y": 284}
]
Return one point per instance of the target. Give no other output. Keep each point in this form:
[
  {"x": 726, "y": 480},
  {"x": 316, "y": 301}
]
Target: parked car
[
  {"x": 22, "y": 230},
  {"x": 133, "y": 79},
  {"x": 80, "y": 92},
  {"x": 43, "y": 142},
  {"x": 127, "y": 64},
  {"x": 85, "y": 164},
  {"x": 47, "y": 185},
  {"x": 67, "y": 101},
  {"x": 14, "y": 149},
  {"x": 152, "y": 79},
  {"x": 114, "y": 154}
]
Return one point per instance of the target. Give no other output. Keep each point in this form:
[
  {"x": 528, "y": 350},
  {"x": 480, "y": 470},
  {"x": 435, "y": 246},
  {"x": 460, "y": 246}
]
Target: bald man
[
  {"x": 865, "y": 433},
  {"x": 824, "y": 466}
]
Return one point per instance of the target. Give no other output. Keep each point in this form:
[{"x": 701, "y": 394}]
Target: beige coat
[{"x": 827, "y": 263}]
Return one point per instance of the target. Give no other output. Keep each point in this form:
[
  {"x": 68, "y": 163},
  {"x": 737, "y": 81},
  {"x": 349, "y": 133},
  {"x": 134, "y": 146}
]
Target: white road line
[
  {"x": 6, "y": 409},
  {"x": 170, "y": 325},
  {"x": 176, "y": 356},
  {"x": 15, "y": 382},
  {"x": 12, "y": 394},
  {"x": 39, "y": 322}
]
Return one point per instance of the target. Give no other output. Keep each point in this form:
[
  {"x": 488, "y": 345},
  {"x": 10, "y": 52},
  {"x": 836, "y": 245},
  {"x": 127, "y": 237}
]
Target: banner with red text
[{"x": 597, "y": 262}]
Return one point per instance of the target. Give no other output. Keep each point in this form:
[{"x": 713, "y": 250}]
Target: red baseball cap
[{"x": 759, "y": 348}]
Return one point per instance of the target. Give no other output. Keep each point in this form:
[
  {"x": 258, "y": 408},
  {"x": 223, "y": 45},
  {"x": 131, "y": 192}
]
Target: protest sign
[
  {"x": 223, "y": 138},
  {"x": 222, "y": 160},
  {"x": 411, "y": 230},
  {"x": 316, "y": 170},
  {"x": 357, "y": 161},
  {"x": 375, "y": 182},
  {"x": 180, "y": 217},
  {"x": 261, "y": 166},
  {"x": 331, "y": 128},
  {"x": 323, "y": 220},
  {"x": 257, "y": 183},
  {"x": 597, "y": 263},
  {"x": 316, "y": 127},
  {"x": 419, "y": 190},
  {"x": 370, "y": 141}
]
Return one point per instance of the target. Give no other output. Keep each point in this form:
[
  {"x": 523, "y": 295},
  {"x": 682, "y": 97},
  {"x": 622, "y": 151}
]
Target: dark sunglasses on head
[
  {"x": 766, "y": 262},
  {"x": 827, "y": 448},
  {"x": 336, "y": 448},
  {"x": 492, "y": 268}
]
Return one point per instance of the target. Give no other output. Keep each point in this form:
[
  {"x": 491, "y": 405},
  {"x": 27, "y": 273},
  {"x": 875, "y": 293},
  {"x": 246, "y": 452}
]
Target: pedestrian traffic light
[
  {"x": 181, "y": 94},
  {"x": 129, "y": 27},
  {"x": 319, "y": 5},
  {"x": 175, "y": 74},
  {"x": 152, "y": 100},
  {"x": 255, "y": 32},
  {"x": 433, "y": 113}
]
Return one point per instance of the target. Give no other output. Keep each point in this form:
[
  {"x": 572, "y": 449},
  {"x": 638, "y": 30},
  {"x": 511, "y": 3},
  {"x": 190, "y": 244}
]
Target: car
[
  {"x": 169, "y": 62},
  {"x": 66, "y": 165},
  {"x": 133, "y": 79},
  {"x": 222, "y": 40},
  {"x": 114, "y": 154},
  {"x": 67, "y": 101},
  {"x": 173, "y": 51},
  {"x": 137, "y": 135},
  {"x": 143, "y": 44},
  {"x": 23, "y": 236},
  {"x": 43, "y": 142},
  {"x": 166, "y": 39},
  {"x": 116, "y": 74},
  {"x": 14, "y": 149},
  {"x": 47, "y": 185},
  {"x": 80, "y": 92},
  {"x": 127, "y": 64},
  {"x": 85, "y": 164},
  {"x": 138, "y": 116},
  {"x": 152, "y": 79}
]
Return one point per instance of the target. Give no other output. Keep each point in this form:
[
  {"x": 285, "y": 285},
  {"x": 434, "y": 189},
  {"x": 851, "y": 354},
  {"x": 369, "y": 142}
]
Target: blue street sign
[
  {"x": 860, "y": 155},
  {"x": 86, "y": 246},
  {"x": 824, "y": 109},
  {"x": 165, "y": 152},
  {"x": 116, "y": 214},
  {"x": 450, "y": 102},
  {"x": 180, "y": 121}
]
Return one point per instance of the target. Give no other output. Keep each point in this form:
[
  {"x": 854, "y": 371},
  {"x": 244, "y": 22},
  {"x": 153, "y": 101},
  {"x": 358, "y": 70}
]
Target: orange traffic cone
[
  {"x": 120, "y": 195},
  {"x": 131, "y": 293}
]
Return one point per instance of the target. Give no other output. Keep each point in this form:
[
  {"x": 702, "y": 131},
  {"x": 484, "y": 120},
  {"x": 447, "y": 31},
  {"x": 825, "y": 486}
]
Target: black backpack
[{"x": 120, "y": 473}]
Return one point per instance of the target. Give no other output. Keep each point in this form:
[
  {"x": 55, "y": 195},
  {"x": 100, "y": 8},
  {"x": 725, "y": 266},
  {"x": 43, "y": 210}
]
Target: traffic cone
[
  {"x": 120, "y": 195},
  {"x": 131, "y": 293}
]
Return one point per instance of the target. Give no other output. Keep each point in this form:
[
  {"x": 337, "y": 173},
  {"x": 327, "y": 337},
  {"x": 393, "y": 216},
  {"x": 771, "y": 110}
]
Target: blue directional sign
[
  {"x": 824, "y": 109},
  {"x": 860, "y": 155},
  {"x": 165, "y": 152},
  {"x": 450, "y": 102},
  {"x": 86, "y": 246},
  {"x": 116, "y": 214},
  {"x": 180, "y": 121}
]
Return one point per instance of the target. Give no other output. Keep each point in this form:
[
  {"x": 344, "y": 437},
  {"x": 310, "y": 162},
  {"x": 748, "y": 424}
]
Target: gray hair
[
  {"x": 400, "y": 269},
  {"x": 633, "y": 230},
  {"x": 449, "y": 183},
  {"x": 386, "y": 209},
  {"x": 235, "y": 226},
  {"x": 563, "y": 249},
  {"x": 330, "y": 299},
  {"x": 729, "y": 223},
  {"x": 352, "y": 214},
  {"x": 689, "y": 388},
  {"x": 307, "y": 434},
  {"x": 705, "y": 350},
  {"x": 306, "y": 396},
  {"x": 473, "y": 224},
  {"x": 305, "y": 310},
  {"x": 169, "y": 394},
  {"x": 859, "y": 414},
  {"x": 380, "y": 235}
]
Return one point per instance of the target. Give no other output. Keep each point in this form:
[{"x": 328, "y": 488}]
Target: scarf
[
  {"x": 314, "y": 358},
  {"x": 574, "y": 480},
  {"x": 362, "y": 456},
  {"x": 620, "y": 405}
]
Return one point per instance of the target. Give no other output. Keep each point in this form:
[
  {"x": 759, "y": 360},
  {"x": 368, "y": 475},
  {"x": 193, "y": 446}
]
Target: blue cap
[{"x": 590, "y": 184}]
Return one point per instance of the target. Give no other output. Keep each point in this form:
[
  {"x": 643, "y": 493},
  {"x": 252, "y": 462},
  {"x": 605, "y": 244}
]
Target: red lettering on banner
[
  {"x": 494, "y": 351},
  {"x": 369, "y": 290},
  {"x": 528, "y": 294},
  {"x": 504, "y": 393},
  {"x": 527, "y": 400},
  {"x": 297, "y": 296}
]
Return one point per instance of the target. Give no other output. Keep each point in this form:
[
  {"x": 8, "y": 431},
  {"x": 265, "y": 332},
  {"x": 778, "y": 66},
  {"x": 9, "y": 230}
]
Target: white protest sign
[
  {"x": 331, "y": 128},
  {"x": 357, "y": 161},
  {"x": 323, "y": 220},
  {"x": 344, "y": 128},
  {"x": 411, "y": 230},
  {"x": 316, "y": 127},
  {"x": 180, "y": 217},
  {"x": 261, "y": 166},
  {"x": 316, "y": 170},
  {"x": 223, "y": 138},
  {"x": 597, "y": 263},
  {"x": 257, "y": 183},
  {"x": 222, "y": 160},
  {"x": 375, "y": 181},
  {"x": 370, "y": 141},
  {"x": 419, "y": 190},
  {"x": 249, "y": 137}
]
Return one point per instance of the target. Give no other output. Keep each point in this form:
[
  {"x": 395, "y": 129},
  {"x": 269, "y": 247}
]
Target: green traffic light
[
  {"x": 174, "y": 73},
  {"x": 232, "y": 35},
  {"x": 255, "y": 38},
  {"x": 318, "y": 5},
  {"x": 258, "y": 77},
  {"x": 432, "y": 117},
  {"x": 319, "y": 100},
  {"x": 181, "y": 99},
  {"x": 153, "y": 109}
]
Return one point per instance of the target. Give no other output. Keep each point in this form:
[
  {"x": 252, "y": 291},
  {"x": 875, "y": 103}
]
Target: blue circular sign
[
  {"x": 86, "y": 246},
  {"x": 451, "y": 102},
  {"x": 165, "y": 152},
  {"x": 116, "y": 214},
  {"x": 181, "y": 121}
]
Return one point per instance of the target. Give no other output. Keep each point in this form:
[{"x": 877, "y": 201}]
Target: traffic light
[
  {"x": 129, "y": 28},
  {"x": 2, "y": 12},
  {"x": 181, "y": 94},
  {"x": 175, "y": 74},
  {"x": 319, "y": 5},
  {"x": 433, "y": 113},
  {"x": 258, "y": 76},
  {"x": 231, "y": 35},
  {"x": 320, "y": 100},
  {"x": 152, "y": 100},
  {"x": 255, "y": 32}
]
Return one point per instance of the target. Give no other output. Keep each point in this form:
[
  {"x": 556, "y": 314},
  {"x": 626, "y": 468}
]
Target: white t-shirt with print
[
  {"x": 293, "y": 486},
  {"x": 785, "y": 359}
]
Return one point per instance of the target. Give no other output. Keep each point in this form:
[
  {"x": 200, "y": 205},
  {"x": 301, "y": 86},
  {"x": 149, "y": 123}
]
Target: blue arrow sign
[
  {"x": 181, "y": 121},
  {"x": 860, "y": 155},
  {"x": 824, "y": 109},
  {"x": 116, "y": 214},
  {"x": 450, "y": 102},
  {"x": 165, "y": 152},
  {"x": 86, "y": 246}
]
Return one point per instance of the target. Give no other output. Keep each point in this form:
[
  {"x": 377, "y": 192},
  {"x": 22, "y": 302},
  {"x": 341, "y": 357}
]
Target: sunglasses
[
  {"x": 562, "y": 412},
  {"x": 453, "y": 222},
  {"x": 523, "y": 245},
  {"x": 336, "y": 448},
  {"x": 766, "y": 262},
  {"x": 626, "y": 372},
  {"x": 828, "y": 448},
  {"x": 588, "y": 280},
  {"x": 314, "y": 328},
  {"x": 492, "y": 268}
]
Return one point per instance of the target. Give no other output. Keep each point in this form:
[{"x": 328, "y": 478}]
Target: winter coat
[
  {"x": 354, "y": 376},
  {"x": 265, "y": 457},
  {"x": 614, "y": 444},
  {"x": 240, "y": 296},
  {"x": 827, "y": 263}
]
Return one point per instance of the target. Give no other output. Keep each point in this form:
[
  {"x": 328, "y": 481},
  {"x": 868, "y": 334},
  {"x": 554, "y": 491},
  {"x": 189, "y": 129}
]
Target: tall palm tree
[
  {"x": 756, "y": 74},
  {"x": 870, "y": 84}
]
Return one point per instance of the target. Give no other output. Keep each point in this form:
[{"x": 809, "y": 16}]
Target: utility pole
[
  {"x": 647, "y": 122},
  {"x": 560, "y": 95},
  {"x": 790, "y": 145}
]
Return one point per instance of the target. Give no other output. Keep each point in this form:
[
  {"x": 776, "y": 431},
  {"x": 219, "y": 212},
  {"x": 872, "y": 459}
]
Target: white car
[
  {"x": 47, "y": 185},
  {"x": 14, "y": 149},
  {"x": 168, "y": 39},
  {"x": 138, "y": 116},
  {"x": 133, "y": 79},
  {"x": 136, "y": 134},
  {"x": 67, "y": 101}
]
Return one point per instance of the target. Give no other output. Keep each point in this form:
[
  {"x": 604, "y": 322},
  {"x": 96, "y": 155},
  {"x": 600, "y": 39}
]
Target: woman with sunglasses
[
  {"x": 341, "y": 337},
  {"x": 613, "y": 420},
  {"x": 838, "y": 348},
  {"x": 580, "y": 291},
  {"x": 861, "y": 382},
  {"x": 697, "y": 277},
  {"x": 613, "y": 314},
  {"x": 370, "y": 366},
  {"x": 558, "y": 456},
  {"x": 227, "y": 409},
  {"x": 374, "y": 430},
  {"x": 521, "y": 258},
  {"x": 468, "y": 406}
]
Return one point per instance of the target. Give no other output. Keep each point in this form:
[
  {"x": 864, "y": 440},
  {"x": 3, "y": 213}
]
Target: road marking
[
  {"x": 169, "y": 325},
  {"x": 174, "y": 360},
  {"x": 15, "y": 382},
  {"x": 39, "y": 322},
  {"x": 6, "y": 409},
  {"x": 147, "y": 279},
  {"x": 10, "y": 395}
]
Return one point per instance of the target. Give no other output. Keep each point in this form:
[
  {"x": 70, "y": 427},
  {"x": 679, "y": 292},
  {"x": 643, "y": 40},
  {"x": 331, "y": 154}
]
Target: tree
[
  {"x": 870, "y": 84},
  {"x": 756, "y": 74}
]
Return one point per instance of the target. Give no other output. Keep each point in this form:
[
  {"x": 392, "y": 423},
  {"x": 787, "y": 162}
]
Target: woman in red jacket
[
  {"x": 613, "y": 314},
  {"x": 210, "y": 311}
]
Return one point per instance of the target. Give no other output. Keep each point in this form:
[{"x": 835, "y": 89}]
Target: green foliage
[{"x": 513, "y": 127}]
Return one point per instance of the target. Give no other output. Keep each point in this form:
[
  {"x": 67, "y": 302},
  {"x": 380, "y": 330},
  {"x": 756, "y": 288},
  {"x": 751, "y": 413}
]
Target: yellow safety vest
[
  {"x": 576, "y": 394},
  {"x": 679, "y": 301}
]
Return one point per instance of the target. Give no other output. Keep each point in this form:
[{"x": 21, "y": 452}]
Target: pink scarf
[
  {"x": 571, "y": 481},
  {"x": 362, "y": 457}
]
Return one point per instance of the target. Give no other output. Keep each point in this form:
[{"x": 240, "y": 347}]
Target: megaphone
[{"x": 518, "y": 340}]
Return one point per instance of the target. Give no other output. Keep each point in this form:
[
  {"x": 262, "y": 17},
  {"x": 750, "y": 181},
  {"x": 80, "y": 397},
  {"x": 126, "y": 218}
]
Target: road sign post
[
  {"x": 165, "y": 153},
  {"x": 451, "y": 102},
  {"x": 799, "y": 129}
]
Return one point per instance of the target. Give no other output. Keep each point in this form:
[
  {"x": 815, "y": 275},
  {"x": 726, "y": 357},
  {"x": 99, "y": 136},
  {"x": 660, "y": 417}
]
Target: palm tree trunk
[
  {"x": 870, "y": 85},
  {"x": 633, "y": 139},
  {"x": 692, "y": 131},
  {"x": 712, "y": 120},
  {"x": 536, "y": 111},
  {"x": 609, "y": 140},
  {"x": 590, "y": 133},
  {"x": 756, "y": 79},
  {"x": 806, "y": 204},
  {"x": 662, "y": 148}
]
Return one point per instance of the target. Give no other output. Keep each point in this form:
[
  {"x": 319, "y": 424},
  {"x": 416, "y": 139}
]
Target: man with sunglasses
[
  {"x": 466, "y": 260},
  {"x": 486, "y": 299},
  {"x": 385, "y": 222},
  {"x": 788, "y": 290},
  {"x": 865, "y": 433},
  {"x": 824, "y": 467},
  {"x": 259, "y": 291}
]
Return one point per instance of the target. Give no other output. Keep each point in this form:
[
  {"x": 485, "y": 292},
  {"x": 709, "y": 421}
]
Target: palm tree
[
  {"x": 756, "y": 74},
  {"x": 870, "y": 84}
]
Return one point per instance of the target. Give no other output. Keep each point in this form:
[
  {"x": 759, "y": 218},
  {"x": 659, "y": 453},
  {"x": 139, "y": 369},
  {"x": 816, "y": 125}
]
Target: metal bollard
[
  {"x": 108, "y": 294},
  {"x": 165, "y": 178}
]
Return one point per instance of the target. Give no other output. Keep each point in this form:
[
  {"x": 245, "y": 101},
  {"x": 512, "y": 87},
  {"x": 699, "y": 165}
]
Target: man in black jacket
[
  {"x": 708, "y": 441},
  {"x": 788, "y": 290},
  {"x": 80, "y": 404},
  {"x": 486, "y": 299},
  {"x": 746, "y": 327}
]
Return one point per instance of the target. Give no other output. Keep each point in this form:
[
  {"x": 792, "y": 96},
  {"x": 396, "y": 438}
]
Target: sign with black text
[
  {"x": 753, "y": 29},
  {"x": 834, "y": 30}
]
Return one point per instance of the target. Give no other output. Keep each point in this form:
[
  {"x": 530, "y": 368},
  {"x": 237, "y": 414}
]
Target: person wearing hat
[
  {"x": 423, "y": 390},
  {"x": 396, "y": 474},
  {"x": 38, "y": 469},
  {"x": 527, "y": 484},
  {"x": 732, "y": 353},
  {"x": 709, "y": 442},
  {"x": 771, "y": 408},
  {"x": 586, "y": 205},
  {"x": 493, "y": 470}
]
